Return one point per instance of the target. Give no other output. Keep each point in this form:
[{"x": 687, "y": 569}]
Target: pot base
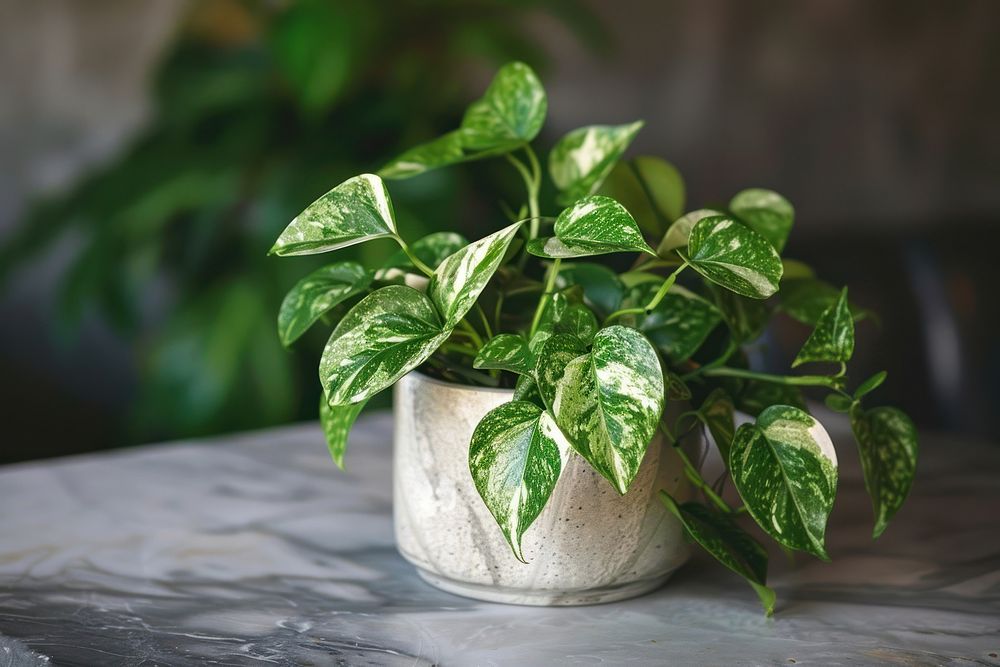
[{"x": 544, "y": 598}]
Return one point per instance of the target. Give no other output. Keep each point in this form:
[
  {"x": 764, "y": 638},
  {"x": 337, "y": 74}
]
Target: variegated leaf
[
  {"x": 678, "y": 233},
  {"x": 526, "y": 389},
  {"x": 461, "y": 277},
  {"x": 718, "y": 414},
  {"x": 729, "y": 544},
  {"x": 551, "y": 360},
  {"x": 680, "y": 323},
  {"x": 382, "y": 338},
  {"x": 734, "y": 256},
  {"x": 516, "y": 456},
  {"x": 316, "y": 294},
  {"x": 833, "y": 338},
  {"x": 359, "y": 209},
  {"x": 592, "y": 226},
  {"x": 431, "y": 250},
  {"x": 887, "y": 442},
  {"x": 582, "y": 159},
  {"x": 675, "y": 388},
  {"x": 578, "y": 321},
  {"x": 603, "y": 291},
  {"x": 337, "y": 421},
  {"x": 509, "y": 114},
  {"x": 785, "y": 469},
  {"x": 609, "y": 402},
  {"x": 506, "y": 352},
  {"x": 766, "y": 212},
  {"x": 440, "y": 152}
]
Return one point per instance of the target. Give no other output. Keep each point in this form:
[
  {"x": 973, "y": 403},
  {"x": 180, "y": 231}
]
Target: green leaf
[
  {"x": 462, "y": 276},
  {"x": 609, "y": 402},
  {"x": 734, "y": 256},
  {"x": 755, "y": 396},
  {"x": 729, "y": 544},
  {"x": 552, "y": 358},
  {"x": 509, "y": 114},
  {"x": 582, "y": 159},
  {"x": 578, "y": 321},
  {"x": 675, "y": 388},
  {"x": 806, "y": 299},
  {"x": 719, "y": 415},
  {"x": 357, "y": 210},
  {"x": 526, "y": 389},
  {"x": 785, "y": 469},
  {"x": 766, "y": 212},
  {"x": 382, "y": 338},
  {"x": 316, "y": 294},
  {"x": 870, "y": 385},
  {"x": 838, "y": 403},
  {"x": 440, "y": 152},
  {"x": 506, "y": 352},
  {"x": 431, "y": 250},
  {"x": 595, "y": 225},
  {"x": 337, "y": 421},
  {"x": 833, "y": 338},
  {"x": 746, "y": 318},
  {"x": 679, "y": 324},
  {"x": 663, "y": 183},
  {"x": 678, "y": 233},
  {"x": 516, "y": 457},
  {"x": 794, "y": 269},
  {"x": 887, "y": 443},
  {"x": 602, "y": 289}
]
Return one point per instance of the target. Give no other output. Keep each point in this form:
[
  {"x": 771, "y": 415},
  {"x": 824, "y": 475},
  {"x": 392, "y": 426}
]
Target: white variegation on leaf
[
  {"x": 678, "y": 232},
  {"x": 440, "y": 152},
  {"x": 887, "y": 442},
  {"x": 316, "y": 294},
  {"x": 582, "y": 159},
  {"x": 506, "y": 352},
  {"x": 516, "y": 456},
  {"x": 579, "y": 321},
  {"x": 551, "y": 360},
  {"x": 679, "y": 324},
  {"x": 509, "y": 114},
  {"x": 833, "y": 338},
  {"x": 462, "y": 276},
  {"x": 357, "y": 210},
  {"x": 733, "y": 255},
  {"x": 609, "y": 402},
  {"x": 337, "y": 421},
  {"x": 785, "y": 469},
  {"x": 382, "y": 338},
  {"x": 594, "y": 225},
  {"x": 766, "y": 212}
]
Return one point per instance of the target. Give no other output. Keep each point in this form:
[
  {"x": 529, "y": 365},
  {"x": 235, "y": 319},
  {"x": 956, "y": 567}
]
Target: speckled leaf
[
  {"x": 675, "y": 388},
  {"x": 734, "y": 256},
  {"x": 515, "y": 457},
  {"x": 592, "y": 226},
  {"x": 440, "y": 152},
  {"x": 552, "y": 357},
  {"x": 680, "y": 323},
  {"x": 785, "y": 469},
  {"x": 729, "y": 544},
  {"x": 526, "y": 389},
  {"x": 833, "y": 338},
  {"x": 382, "y": 338},
  {"x": 431, "y": 250},
  {"x": 507, "y": 352},
  {"x": 582, "y": 159},
  {"x": 316, "y": 294},
  {"x": 746, "y": 318},
  {"x": 887, "y": 442},
  {"x": 359, "y": 209},
  {"x": 579, "y": 321},
  {"x": 718, "y": 414},
  {"x": 609, "y": 402},
  {"x": 678, "y": 233},
  {"x": 602, "y": 289},
  {"x": 461, "y": 277},
  {"x": 337, "y": 422},
  {"x": 509, "y": 114},
  {"x": 806, "y": 299},
  {"x": 553, "y": 307},
  {"x": 766, "y": 212},
  {"x": 870, "y": 385}
]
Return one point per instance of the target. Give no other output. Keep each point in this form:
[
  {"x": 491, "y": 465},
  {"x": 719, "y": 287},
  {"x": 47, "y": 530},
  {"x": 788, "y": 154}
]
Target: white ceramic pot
[{"x": 589, "y": 545}]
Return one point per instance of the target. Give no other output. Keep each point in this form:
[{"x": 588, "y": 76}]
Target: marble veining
[{"x": 255, "y": 550}]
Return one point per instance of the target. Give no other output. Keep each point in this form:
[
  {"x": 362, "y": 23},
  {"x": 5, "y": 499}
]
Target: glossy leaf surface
[
  {"x": 581, "y": 160},
  {"x": 553, "y": 357},
  {"x": 887, "y": 442},
  {"x": 833, "y": 338},
  {"x": 509, "y": 114},
  {"x": 870, "y": 385},
  {"x": 734, "y": 256},
  {"x": 766, "y": 212},
  {"x": 316, "y": 294},
  {"x": 680, "y": 323},
  {"x": 337, "y": 421},
  {"x": 440, "y": 152},
  {"x": 592, "y": 226},
  {"x": 678, "y": 233},
  {"x": 507, "y": 352}
]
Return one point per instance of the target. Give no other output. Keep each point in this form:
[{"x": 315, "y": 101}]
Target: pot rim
[{"x": 463, "y": 387}]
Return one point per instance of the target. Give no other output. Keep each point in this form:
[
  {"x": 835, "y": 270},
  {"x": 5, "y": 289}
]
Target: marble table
[{"x": 254, "y": 550}]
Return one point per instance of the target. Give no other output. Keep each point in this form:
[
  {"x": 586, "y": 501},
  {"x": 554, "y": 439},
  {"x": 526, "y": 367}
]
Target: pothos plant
[{"x": 593, "y": 355}]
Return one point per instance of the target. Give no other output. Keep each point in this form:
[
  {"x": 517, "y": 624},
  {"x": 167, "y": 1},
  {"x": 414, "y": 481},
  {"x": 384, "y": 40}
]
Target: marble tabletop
[{"x": 254, "y": 549}]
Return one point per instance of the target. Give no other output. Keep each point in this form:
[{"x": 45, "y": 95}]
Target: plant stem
[
  {"x": 486, "y": 323},
  {"x": 459, "y": 348},
  {"x": 473, "y": 334},
  {"x": 550, "y": 283},
  {"x": 428, "y": 271},
  {"x": 731, "y": 348},
  {"x": 796, "y": 380},
  {"x": 694, "y": 476},
  {"x": 653, "y": 303}
]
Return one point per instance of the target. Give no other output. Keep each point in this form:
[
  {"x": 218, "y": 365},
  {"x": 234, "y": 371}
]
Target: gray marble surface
[{"x": 254, "y": 550}]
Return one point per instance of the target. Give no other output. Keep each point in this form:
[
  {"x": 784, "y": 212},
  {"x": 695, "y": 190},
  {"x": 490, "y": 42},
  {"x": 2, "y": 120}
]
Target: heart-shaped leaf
[
  {"x": 592, "y": 226},
  {"x": 609, "y": 402},
  {"x": 579, "y": 321},
  {"x": 316, "y": 294},
  {"x": 462, "y": 276},
  {"x": 382, "y": 338},
  {"x": 718, "y": 414},
  {"x": 582, "y": 159},
  {"x": 734, "y": 256},
  {"x": 766, "y": 212},
  {"x": 441, "y": 152},
  {"x": 887, "y": 442},
  {"x": 678, "y": 233},
  {"x": 431, "y": 250},
  {"x": 785, "y": 469},
  {"x": 602, "y": 289},
  {"x": 506, "y": 352},
  {"x": 679, "y": 324},
  {"x": 729, "y": 544},
  {"x": 551, "y": 361},
  {"x": 509, "y": 114},
  {"x": 359, "y": 209},
  {"x": 337, "y": 421},
  {"x": 516, "y": 456},
  {"x": 833, "y": 338}
]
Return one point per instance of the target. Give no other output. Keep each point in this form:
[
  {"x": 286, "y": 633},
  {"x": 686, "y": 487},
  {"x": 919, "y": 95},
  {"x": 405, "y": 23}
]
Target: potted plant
[{"x": 553, "y": 397}]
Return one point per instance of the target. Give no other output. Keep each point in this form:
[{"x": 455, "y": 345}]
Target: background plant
[{"x": 593, "y": 354}]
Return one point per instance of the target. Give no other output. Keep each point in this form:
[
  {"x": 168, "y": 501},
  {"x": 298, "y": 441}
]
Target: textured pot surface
[{"x": 589, "y": 544}]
